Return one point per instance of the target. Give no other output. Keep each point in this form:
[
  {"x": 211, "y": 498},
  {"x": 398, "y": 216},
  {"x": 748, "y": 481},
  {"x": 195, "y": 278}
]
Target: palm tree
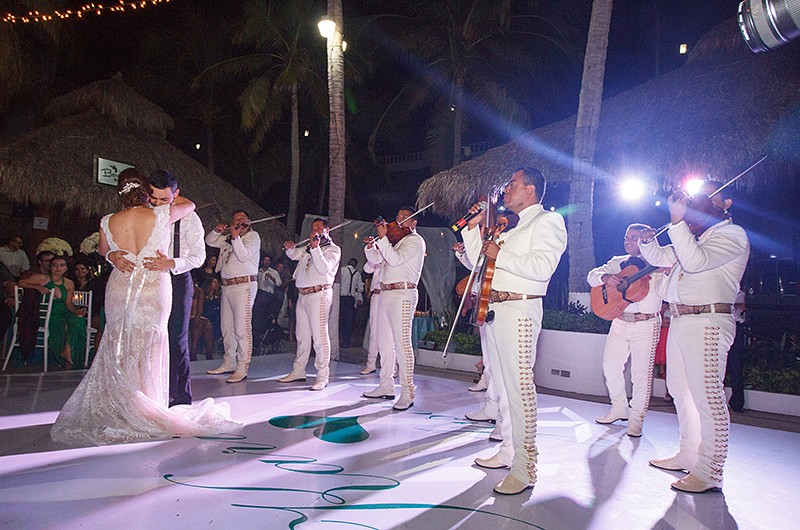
[
  {"x": 581, "y": 242},
  {"x": 282, "y": 68},
  {"x": 338, "y": 180},
  {"x": 457, "y": 50}
]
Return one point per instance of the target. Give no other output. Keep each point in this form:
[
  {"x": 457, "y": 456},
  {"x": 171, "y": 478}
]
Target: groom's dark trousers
[{"x": 180, "y": 386}]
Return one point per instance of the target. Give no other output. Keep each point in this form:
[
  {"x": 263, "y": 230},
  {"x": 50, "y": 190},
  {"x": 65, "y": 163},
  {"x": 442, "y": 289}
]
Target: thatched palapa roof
[
  {"x": 53, "y": 165},
  {"x": 713, "y": 116}
]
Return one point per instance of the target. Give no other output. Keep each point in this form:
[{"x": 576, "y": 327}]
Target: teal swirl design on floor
[
  {"x": 333, "y": 496},
  {"x": 344, "y": 430}
]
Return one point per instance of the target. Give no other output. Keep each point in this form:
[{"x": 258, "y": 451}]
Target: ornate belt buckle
[{"x": 673, "y": 310}]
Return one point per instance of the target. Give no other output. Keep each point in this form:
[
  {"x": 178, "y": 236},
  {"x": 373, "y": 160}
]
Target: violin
[
  {"x": 395, "y": 231},
  {"x": 238, "y": 226},
  {"x": 482, "y": 281}
]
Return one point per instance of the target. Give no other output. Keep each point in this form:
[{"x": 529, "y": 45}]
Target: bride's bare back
[{"x": 131, "y": 228}]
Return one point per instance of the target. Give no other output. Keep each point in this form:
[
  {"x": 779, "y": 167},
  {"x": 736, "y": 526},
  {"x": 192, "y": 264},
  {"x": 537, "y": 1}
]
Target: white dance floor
[{"x": 333, "y": 459}]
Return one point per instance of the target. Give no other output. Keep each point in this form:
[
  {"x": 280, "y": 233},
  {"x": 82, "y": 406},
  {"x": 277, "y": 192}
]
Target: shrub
[
  {"x": 574, "y": 321},
  {"x": 772, "y": 367},
  {"x": 462, "y": 342}
]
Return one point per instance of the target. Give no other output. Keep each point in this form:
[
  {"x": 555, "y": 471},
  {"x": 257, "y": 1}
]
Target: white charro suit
[
  {"x": 633, "y": 334},
  {"x": 707, "y": 271},
  {"x": 528, "y": 257},
  {"x": 316, "y": 269},
  {"x": 401, "y": 268}
]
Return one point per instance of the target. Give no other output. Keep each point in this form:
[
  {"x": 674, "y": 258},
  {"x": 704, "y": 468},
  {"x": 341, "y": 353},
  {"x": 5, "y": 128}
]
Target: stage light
[
  {"x": 632, "y": 189},
  {"x": 692, "y": 186},
  {"x": 658, "y": 203},
  {"x": 197, "y": 146}
]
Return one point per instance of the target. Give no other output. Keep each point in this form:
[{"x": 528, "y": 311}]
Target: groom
[{"x": 187, "y": 251}]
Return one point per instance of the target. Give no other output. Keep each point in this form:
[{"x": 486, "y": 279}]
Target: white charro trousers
[
  {"x": 491, "y": 407},
  {"x": 398, "y": 306},
  {"x": 383, "y": 342},
  {"x": 311, "y": 327},
  {"x": 697, "y": 351},
  {"x": 637, "y": 340},
  {"x": 236, "y": 315},
  {"x": 511, "y": 342}
]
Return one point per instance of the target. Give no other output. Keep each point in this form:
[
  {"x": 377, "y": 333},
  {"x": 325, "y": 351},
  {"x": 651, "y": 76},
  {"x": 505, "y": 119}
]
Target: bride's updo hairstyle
[{"x": 133, "y": 188}]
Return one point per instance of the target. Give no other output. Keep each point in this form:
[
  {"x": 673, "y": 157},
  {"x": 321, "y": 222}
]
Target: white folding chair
[
  {"x": 42, "y": 332},
  {"x": 17, "y": 298},
  {"x": 84, "y": 299}
]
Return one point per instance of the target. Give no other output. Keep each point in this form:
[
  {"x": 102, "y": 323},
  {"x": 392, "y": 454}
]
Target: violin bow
[
  {"x": 416, "y": 213},
  {"x": 475, "y": 267},
  {"x": 306, "y": 240},
  {"x": 731, "y": 181},
  {"x": 270, "y": 218}
]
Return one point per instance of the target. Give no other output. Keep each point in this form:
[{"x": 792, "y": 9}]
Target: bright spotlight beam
[
  {"x": 693, "y": 186},
  {"x": 632, "y": 189}
]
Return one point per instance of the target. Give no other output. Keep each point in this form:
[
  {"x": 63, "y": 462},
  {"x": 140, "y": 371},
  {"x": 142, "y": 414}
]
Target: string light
[{"x": 98, "y": 9}]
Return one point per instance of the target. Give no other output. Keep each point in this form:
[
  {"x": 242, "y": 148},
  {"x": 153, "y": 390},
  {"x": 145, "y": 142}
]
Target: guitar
[{"x": 609, "y": 303}]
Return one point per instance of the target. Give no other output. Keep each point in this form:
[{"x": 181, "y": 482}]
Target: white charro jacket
[
  {"x": 705, "y": 270},
  {"x": 529, "y": 253}
]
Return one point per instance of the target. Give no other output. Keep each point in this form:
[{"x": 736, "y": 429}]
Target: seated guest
[
  {"x": 81, "y": 274},
  {"x": 67, "y": 328},
  {"x": 42, "y": 264},
  {"x": 13, "y": 257},
  {"x": 202, "y": 276},
  {"x": 204, "y": 326}
]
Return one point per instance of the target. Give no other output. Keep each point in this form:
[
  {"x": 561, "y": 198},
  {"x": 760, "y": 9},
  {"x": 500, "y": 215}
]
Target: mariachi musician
[
  {"x": 525, "y": 259},
  {"x": 710, "y": 255},
  {"x": 634, "y": 333},
  {"x": 238, "y": 266},
  {"x": 401, "y": 252},
  {"x": 316, "y": 270}
]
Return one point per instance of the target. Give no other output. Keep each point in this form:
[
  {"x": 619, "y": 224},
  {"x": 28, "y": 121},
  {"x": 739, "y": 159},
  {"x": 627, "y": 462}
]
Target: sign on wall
[{"x": 107, "y": 171}]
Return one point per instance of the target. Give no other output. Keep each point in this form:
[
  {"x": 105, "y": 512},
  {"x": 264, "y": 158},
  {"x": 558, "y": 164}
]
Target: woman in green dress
[{"x": 67, "y": 327}]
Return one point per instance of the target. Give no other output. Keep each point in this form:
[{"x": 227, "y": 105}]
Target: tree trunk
[
  {"x": 581, "y": 241},
  {"x": 336, "y": 193},
  {"x": 294, "y": 183}
]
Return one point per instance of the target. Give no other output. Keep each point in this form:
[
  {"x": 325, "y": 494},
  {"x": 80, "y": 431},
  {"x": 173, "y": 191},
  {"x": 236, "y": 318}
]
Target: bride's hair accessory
[{"x": 128, "y": 187}]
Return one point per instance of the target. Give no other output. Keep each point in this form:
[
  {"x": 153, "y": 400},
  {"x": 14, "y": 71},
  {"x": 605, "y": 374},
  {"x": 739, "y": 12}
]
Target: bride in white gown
[{"x": 124, "y": 396}]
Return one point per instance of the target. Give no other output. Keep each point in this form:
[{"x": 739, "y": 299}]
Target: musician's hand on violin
[
  {"x": 381, "y": 229},
  {"x": 236, "y": 230},
  {"x": 221, "y": 228},
  {"x": 647, "y": 235},
  {"x": 478, "y": 219},
  {"x": 677, "y": 207},
  {"x": 369, "y": 241},
  {"x": 314, "y": 241},
  {"x": 490, "y": 249},
  {"x": 288, "y": 245}
]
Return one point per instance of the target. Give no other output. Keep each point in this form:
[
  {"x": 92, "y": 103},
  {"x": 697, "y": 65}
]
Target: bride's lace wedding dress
[{"x": 124, "y": 396}]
